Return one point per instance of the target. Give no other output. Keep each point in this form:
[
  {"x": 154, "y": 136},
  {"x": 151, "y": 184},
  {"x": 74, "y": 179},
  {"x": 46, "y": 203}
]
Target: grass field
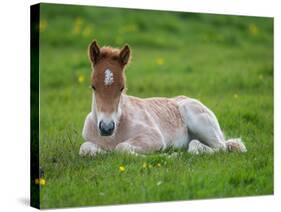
[{"x": 224, "y": 61}]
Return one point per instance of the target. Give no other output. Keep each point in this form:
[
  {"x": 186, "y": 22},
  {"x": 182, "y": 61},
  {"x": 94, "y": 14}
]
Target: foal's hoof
[
  {"x": 196, "y": 147},
  {"x": 235, "y": 145},
  {"x": 88, "y": 148}
]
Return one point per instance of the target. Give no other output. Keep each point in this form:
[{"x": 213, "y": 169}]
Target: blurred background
[
  {"x": 224, "y": 61},
  {"x": 174, "y": 48}
]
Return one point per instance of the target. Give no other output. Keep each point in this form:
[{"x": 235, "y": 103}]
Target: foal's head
[{"x": 108, "y": 83}]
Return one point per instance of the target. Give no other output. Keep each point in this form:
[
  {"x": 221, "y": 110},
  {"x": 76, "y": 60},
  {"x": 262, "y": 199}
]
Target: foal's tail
[{"x": 235, "y": 145}]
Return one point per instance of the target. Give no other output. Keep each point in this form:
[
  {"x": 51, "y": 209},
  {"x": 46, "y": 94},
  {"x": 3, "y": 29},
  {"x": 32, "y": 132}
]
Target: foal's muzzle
[{"x": 106, "y": 129}]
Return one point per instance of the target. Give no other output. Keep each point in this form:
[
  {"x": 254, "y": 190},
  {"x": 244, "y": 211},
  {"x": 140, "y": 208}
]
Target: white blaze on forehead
[{"x": 108, "y": 77}]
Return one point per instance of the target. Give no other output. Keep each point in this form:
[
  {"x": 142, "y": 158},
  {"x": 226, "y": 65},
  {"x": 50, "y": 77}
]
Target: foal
[{"x": 130, "y": 124}]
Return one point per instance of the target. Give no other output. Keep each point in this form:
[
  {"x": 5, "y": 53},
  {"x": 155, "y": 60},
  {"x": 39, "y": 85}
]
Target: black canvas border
[{"x": 34, "y": 105}]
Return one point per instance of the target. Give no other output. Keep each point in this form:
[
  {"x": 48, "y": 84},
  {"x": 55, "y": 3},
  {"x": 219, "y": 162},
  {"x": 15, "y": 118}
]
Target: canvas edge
[{"x": 34, "y": 105}]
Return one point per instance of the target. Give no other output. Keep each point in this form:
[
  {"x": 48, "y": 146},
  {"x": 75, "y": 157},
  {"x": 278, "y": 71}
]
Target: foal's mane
[{"x": 108, "y": 52}]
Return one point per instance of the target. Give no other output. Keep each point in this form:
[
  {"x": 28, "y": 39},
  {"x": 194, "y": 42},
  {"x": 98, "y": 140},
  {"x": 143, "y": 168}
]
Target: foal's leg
[
  {"x": 202, "y": 123},
  {"x": 90, "y": 149},
  {"x": 88, "y": 133},
  {"x": 236, "y": 145},
  {"x": 196, "y": 147},
  {"x": 142, "y": 143}
]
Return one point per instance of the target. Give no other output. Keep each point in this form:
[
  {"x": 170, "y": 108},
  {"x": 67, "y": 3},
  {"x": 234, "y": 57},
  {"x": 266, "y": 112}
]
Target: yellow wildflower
[
  {"x": 158, "y": 164},
  {"x": 40, "y": 181},
  {"x": 43, "y": 25},
  {"x": 77, "y": 25},
  {"x": 76, "y": 29},
  {"x": 160, "y": 61},
  {"x": 78, "y": 21},
  {"x": 122, "y": 168},
  {"x": 253, "y": 29},
  {"x": 81, "y": 78}
]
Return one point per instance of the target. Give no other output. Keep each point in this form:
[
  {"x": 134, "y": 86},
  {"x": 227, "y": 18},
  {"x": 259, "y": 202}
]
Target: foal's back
[{"x": 162, "y": 113}]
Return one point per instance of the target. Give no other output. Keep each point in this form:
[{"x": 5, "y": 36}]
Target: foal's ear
[
  {"x": 94, "y": 52},
  {"x": 125, "y": 55}
]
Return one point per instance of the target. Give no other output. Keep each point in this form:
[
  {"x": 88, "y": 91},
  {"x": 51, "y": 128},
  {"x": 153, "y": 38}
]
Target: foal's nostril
[{"x": 106, "y": 129}]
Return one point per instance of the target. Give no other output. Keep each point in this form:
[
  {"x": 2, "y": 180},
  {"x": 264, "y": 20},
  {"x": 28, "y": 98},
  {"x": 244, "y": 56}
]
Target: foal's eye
[
  {"x": 122, "y": 89},
  {"x": 93, "y": 87}
]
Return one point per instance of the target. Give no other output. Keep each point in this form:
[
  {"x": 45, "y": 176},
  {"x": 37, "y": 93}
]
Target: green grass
[{"x": 225, "y": 61}]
